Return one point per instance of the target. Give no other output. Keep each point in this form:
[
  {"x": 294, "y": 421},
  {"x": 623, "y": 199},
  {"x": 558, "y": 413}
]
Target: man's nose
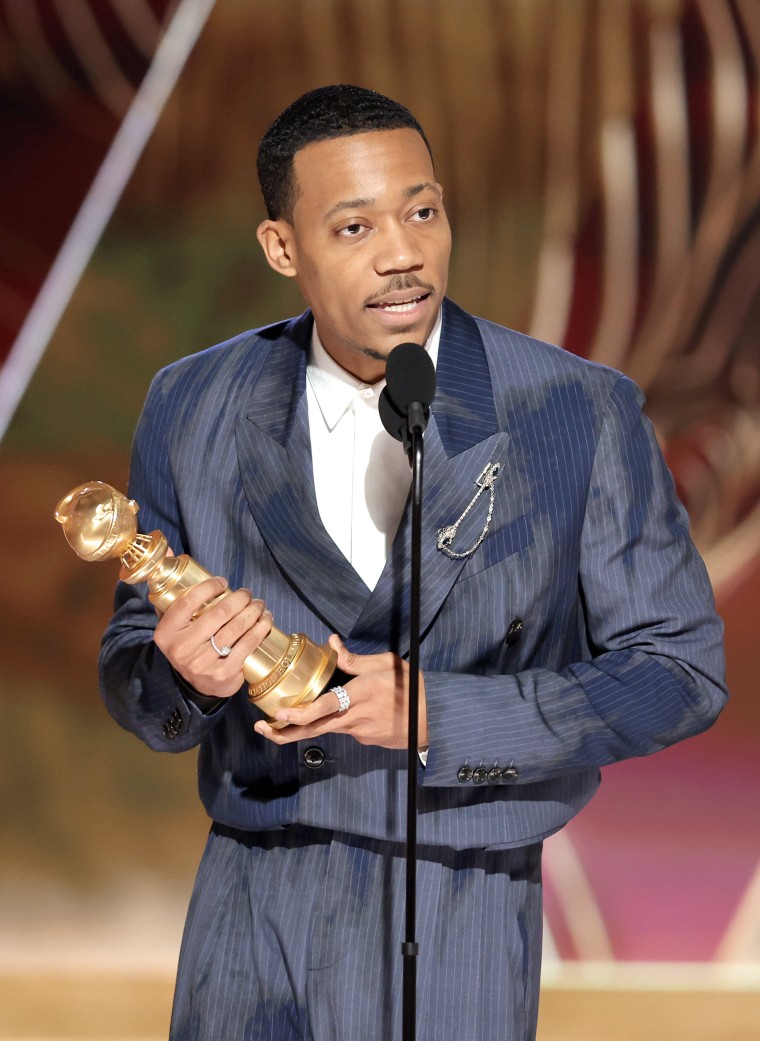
[{"x": 398, "y": 250}]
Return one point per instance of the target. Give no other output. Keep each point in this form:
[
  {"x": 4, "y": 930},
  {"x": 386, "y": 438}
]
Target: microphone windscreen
[
  {"x": 410, "y": 376},
  {"x": 393, "y": 420}
]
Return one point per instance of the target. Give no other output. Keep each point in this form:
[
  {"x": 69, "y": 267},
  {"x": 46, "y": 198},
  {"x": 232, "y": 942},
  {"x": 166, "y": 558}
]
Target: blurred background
[{"x": 601, "y": 160}]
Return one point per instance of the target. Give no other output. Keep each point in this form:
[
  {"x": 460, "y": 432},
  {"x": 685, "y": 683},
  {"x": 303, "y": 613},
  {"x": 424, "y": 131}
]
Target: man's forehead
[{"x": 352, "y": 169}]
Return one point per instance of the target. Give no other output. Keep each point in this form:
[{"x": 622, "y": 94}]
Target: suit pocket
[{"x": 500, "y": 544}]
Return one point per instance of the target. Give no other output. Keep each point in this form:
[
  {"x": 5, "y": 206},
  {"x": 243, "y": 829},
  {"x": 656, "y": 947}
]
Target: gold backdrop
[{"x": 601, "y": 165}]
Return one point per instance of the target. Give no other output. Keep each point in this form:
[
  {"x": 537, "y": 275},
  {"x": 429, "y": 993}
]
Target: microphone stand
[
  {"x": 404, "y": 409},
  {"x": 410, "y": 948}
]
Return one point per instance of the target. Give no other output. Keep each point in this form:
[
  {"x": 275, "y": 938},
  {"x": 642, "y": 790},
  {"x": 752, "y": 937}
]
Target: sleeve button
[{"x": 465, "y": 774}]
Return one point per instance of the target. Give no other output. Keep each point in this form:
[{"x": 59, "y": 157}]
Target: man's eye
[
  {"x": 426, "y": 213},
  {"x": 351, "y": 230}
]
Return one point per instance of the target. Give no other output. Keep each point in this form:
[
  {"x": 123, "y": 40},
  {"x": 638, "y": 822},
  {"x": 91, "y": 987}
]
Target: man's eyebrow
[
  {"x": 417, "y": 188},
  {"x": 348, "y": 204}
]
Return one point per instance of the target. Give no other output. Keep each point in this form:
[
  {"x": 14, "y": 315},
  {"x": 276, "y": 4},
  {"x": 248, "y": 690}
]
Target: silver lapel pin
[{"x": 446, "y": 536}]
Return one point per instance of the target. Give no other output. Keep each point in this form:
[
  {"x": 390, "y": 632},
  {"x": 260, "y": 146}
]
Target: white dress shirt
[{"x": 361, "y": 474}]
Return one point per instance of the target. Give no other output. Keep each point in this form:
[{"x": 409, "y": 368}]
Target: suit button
[
  {"x": 465, "y": 774},
  {"x": 314, "y": 757},
  {"x": 509, "y": 773},
  {"x": 514, "y": 631},
  {"x": 479, "y": 775},
  {"x": 494, "y": 774}
]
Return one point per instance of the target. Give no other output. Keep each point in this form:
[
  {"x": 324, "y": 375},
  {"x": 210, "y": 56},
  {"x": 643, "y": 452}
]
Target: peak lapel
[
  {"x": 461, "y": 439},
  {"x": 274, "y": 453}
]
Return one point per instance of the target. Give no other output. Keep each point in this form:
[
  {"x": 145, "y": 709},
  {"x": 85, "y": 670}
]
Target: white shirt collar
[{"x": 334, "y": 388}]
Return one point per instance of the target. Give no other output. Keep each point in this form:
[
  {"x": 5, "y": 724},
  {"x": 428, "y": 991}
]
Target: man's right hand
[{"x": 237, "y": 621}]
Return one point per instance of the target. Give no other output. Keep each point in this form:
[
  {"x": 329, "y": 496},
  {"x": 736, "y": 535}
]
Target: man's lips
[{"x": 400, "y": 302}]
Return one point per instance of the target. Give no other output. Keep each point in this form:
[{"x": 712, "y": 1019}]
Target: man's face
[{"x": 369, "y": 244}]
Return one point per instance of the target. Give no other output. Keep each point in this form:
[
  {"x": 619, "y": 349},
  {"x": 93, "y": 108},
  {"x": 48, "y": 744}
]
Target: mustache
[{"x": 398, "y": 283}]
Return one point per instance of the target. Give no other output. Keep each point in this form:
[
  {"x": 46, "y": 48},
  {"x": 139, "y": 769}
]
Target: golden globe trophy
[{"x": 100, "y": 523}]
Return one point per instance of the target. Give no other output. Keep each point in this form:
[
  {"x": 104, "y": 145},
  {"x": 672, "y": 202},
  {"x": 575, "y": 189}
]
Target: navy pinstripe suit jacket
[{"x": 620, "y": 650}]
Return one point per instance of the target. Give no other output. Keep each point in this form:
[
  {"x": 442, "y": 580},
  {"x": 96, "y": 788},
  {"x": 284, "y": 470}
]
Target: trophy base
[{"x": 299, "y": 678}]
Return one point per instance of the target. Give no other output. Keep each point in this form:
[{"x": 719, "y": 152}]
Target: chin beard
[
  {"x": 373, "y": 353},
  {"x": 378, "y": 355}
]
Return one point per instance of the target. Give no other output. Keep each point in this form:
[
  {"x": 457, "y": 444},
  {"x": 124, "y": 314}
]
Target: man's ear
[{"x": 276, "y": 239}]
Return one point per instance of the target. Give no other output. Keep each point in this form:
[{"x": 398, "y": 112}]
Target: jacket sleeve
[
  {"x": 654, "y": 671},
  {"x": 138, "y": 685}
]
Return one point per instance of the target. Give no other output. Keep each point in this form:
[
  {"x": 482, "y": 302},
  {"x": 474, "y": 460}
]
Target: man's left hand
[{"x": 378, "y": 713}]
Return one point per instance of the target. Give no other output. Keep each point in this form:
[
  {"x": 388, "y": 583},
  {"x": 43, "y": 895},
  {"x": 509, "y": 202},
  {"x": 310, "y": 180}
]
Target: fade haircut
[{"x": 340, "y": 110}]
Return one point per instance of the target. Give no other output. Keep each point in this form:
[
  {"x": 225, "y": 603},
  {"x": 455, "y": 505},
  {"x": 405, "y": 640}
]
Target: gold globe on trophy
[{"x": 100, "y": 523}]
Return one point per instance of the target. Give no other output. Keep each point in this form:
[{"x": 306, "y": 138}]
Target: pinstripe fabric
[
  {"x": 296, "y": 936},
  {"x": 620, "y": 648}
]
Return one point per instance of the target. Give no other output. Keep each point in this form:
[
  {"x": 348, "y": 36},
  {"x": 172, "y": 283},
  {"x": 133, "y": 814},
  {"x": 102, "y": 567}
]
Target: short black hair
[{"x": 339, "y": 110}]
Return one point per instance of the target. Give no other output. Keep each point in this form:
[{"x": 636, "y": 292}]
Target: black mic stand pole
[{"x": 410, "y": 947}]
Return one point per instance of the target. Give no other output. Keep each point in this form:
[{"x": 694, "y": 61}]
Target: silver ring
[
  {"x": 221, "y": 651},
  {"x": 344, "y": 701}
]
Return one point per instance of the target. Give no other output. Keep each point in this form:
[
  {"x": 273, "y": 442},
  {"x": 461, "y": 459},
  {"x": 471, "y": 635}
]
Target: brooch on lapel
[{"x": 446, "y": 536}]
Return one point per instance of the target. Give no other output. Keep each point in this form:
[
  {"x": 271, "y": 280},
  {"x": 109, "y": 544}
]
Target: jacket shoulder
[{"x": 518, "y": 360}]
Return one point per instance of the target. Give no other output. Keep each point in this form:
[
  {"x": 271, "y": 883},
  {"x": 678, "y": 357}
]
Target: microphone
[{"x": 404, "y": 404}]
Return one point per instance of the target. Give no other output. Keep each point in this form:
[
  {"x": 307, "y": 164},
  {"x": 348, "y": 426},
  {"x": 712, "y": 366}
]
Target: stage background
[{"x": 601, "y": 160}]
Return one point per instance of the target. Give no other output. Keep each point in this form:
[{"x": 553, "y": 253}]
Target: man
[{"x": 567, "y": 621}]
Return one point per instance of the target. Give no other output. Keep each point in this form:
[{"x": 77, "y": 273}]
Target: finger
[
  {"x": 191, "y": 641},
  {"x": 210, "y": 620},
  {"x": 323, "y": 707},
  {"x": 252, "y": 636},
  {"x": 358, "y": 664},
  {"x": 277, "y": 737},
  {"x": 181, "y": 613},
  {"x": 291, "y": 733},
  {"x": 250, "y": 615}
]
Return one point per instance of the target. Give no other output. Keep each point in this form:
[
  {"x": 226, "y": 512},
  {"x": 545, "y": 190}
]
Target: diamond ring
[
  {"x": 344, "y": 701},
  {"x": 221, "y": 651}
]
